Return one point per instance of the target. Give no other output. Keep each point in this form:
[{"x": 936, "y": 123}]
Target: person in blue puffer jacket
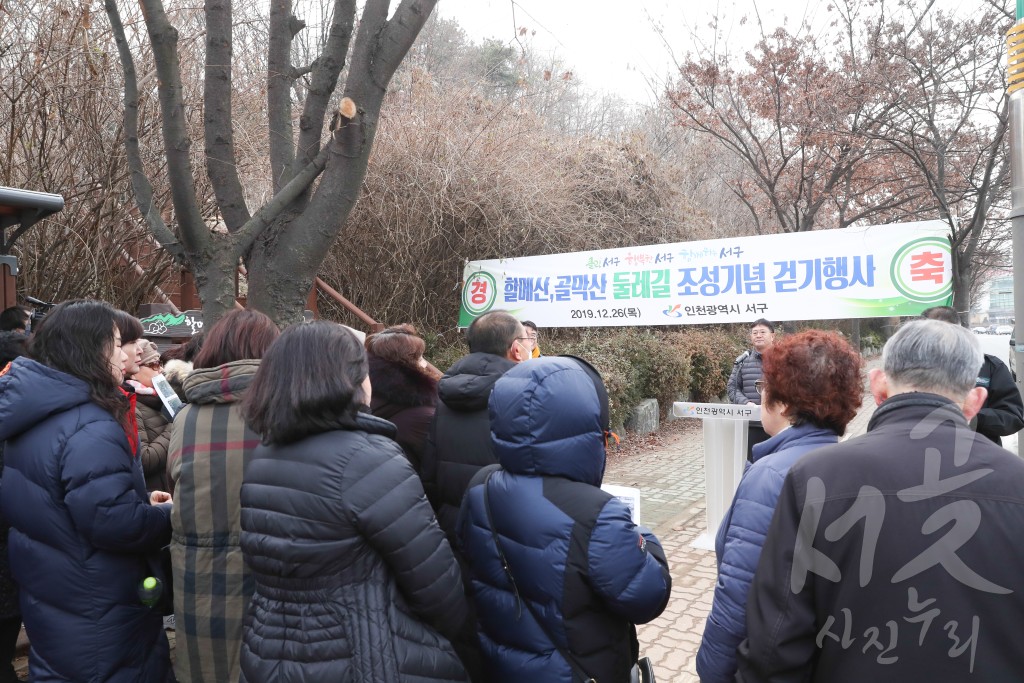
[
  {"x": 579, "y": 573},
  {"x": 811, "y": 389},
  {"x": 84, "y": 531}
]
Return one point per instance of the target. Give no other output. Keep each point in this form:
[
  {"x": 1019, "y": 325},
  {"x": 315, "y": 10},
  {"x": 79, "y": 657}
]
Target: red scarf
[{"x": 130, "y": 425}]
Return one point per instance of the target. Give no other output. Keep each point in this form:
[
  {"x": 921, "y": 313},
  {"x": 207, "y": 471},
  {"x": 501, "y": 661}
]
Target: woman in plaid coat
[{"x": 210, "y": 447}]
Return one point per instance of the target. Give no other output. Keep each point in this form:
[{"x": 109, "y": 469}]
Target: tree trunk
[
  {"x": 962, "y": 293},
  {"x": 215, "y": 283}
]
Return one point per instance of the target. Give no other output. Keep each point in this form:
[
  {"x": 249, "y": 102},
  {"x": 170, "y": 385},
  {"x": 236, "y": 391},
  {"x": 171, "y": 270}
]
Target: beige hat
[{"x": 150, "y": 353}]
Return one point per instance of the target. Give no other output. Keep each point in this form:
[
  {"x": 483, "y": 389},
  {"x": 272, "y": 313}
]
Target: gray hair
[{"x": 934, "y": 356}]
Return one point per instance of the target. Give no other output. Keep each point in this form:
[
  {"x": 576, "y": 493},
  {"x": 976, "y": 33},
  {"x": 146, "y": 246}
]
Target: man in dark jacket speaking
[
  {"x": 1003, "y": 412},
  {"x": 746, "y": 371},
  {"x": 896, "y": 556},
  {"x": 459, "y": 444}
]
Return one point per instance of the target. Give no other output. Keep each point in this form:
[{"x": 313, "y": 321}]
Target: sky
[{"x": 615, "y": 45}]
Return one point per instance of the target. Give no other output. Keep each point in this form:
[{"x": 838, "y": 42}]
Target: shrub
[
  {"x": 634, "y": 363},
  {"x": 712, "y": 352}
]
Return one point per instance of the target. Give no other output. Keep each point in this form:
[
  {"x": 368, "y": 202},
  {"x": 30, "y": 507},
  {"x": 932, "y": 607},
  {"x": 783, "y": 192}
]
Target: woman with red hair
[
  {"x": 810, "y": 390},
  {"x": 404, "y": 386}
]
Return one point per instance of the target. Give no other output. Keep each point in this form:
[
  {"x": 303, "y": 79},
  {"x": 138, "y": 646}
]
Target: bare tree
[
  {"x": 315, "y": 181},
  {"x": 889, "y": 114},
  {"x": 949, "y": 124},
  {"x": 60, "y": 133}
]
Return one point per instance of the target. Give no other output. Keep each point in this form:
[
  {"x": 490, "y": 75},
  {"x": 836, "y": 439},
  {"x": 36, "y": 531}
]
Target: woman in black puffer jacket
[{"x": 354, "y": 579}]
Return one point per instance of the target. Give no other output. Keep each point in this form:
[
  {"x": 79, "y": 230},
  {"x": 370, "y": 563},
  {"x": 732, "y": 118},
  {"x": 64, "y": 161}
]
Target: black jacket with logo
[
  {"x": 1003, "y": 412},
  {"x": 893, "y": 557}
]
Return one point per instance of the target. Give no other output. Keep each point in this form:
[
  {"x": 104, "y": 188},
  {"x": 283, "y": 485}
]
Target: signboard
[
  {"x": 876, "y": 271},
  {"x": 721, "y": 411},
  {"x": 184, "y": 324}
]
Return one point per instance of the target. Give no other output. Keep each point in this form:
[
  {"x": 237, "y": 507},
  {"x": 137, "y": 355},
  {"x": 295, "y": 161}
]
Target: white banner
[{"x": 877, "y": 271}]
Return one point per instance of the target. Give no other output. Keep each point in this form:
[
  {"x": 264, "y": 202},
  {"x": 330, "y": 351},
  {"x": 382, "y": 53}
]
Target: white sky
[{"x": 612, "y": 45}]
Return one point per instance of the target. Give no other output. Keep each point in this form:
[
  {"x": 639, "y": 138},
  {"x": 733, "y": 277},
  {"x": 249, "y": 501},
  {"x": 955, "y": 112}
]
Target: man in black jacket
[
  {"x": 746, "y": 371},
  {"x": 896, "y": 556},
  {"x": 1003, "y": 412},
  {"x": 459, "y": 444}
]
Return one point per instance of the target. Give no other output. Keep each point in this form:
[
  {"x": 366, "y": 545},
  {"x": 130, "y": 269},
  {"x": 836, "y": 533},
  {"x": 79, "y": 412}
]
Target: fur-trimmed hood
[{"x": 399, "y": 384}]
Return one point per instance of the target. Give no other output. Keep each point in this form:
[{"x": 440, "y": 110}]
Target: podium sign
[{"x": 725, "y": 456}]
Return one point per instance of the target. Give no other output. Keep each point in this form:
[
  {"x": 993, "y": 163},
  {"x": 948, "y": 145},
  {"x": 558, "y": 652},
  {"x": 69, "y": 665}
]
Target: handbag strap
[{"x": 566, "y": 655}]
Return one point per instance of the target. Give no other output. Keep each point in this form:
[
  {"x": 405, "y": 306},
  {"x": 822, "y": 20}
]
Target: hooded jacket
[
  {"x": 460, "y": 442},
  {"x": 575, "y": 555},
  {"x": 81, "y": 532},
  {"x": 354, "y": 580}
]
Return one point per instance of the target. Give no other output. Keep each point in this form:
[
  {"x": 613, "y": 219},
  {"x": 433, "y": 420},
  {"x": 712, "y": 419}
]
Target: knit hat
[{"x": 150, "y": 353}]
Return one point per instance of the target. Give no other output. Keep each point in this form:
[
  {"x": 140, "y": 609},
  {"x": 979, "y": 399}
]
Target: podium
[{"x": 725, "y": 456}]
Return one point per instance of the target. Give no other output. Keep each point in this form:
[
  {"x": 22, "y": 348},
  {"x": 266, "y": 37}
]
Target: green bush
[
  {"x": 712, "y": 352},
  {"x": 634, "y": 363}
]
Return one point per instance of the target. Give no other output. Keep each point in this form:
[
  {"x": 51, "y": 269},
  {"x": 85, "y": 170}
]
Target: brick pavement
[{"x": 671, "y": 481}]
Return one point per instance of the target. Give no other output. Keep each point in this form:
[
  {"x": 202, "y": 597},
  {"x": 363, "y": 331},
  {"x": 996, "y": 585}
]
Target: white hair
[{"x": 933, "y": 356}]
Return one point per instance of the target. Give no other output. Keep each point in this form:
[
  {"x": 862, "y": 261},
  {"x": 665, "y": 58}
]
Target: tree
[
  {"x": 949, "y": 123},
  {"x": 797, "y": 121},
  {"x": 882, "y": 116},
  {"x": 58, "y": 122},
  {"x": 315, "y": 180}
]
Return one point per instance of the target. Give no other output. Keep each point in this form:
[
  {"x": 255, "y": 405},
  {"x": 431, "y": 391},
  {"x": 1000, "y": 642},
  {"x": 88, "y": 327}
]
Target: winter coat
[
  {"x": 579, "y": 563},
  {"x": 1003, "y": 412},
  {"x": 405, "y": 397},
  {"x": 739, "y": 541},
  {"x": 210, "y": 448},
  {"x": 175, "y": 372},
  {"x": 154, "y": 437},
  {"x": 82, "y": 532},
  {"x": 8, "y": 588},
  {"x": 894, "y": 556},
  {"x": 354, "y": 579},
  {"x": 460, "y": 439},
  {"x": 746, "y": 370}
]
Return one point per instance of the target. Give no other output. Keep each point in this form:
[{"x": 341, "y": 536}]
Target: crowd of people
[
  {"x": 329, "y": 507},
  {"x": 280, "y": 518}
]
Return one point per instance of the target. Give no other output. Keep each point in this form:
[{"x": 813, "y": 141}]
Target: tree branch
[
  {"x": 360, "y": 83},
  {"x": 141, "y": 186},
  {"x": 398, "y": 36},
  {"x": 220, "y": 140},
  {"x": 248, "y": 233},
  {"x": 279, "y": 83},
  {"x": 164, "y": 39},
  {"x": 325, "y": 71}
]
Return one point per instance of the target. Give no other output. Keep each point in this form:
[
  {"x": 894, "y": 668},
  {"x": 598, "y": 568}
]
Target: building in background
[{"x": 1000, "y": 301}]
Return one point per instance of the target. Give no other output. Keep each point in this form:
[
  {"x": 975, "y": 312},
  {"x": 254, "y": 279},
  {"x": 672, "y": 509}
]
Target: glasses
[{"x": 759, "y": 386}]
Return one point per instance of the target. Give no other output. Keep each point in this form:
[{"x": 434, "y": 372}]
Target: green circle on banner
[
  {"x": 922, "y": 270},
  {"x": 479, "y": 294}
]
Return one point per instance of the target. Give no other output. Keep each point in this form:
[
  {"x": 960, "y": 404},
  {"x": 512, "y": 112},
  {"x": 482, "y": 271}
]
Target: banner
[{"x": 877, "y": 271}]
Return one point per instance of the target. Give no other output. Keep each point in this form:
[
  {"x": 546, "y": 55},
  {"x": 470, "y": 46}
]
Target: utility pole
[{"x": 1015, "y": 89}]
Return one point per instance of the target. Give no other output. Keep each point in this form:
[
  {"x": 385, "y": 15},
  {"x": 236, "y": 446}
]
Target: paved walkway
[{"x": 671, "y": 481}]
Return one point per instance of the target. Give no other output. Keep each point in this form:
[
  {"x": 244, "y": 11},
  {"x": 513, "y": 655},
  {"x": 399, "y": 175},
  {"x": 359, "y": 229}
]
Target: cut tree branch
[{"x": 325, "y": 70}]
